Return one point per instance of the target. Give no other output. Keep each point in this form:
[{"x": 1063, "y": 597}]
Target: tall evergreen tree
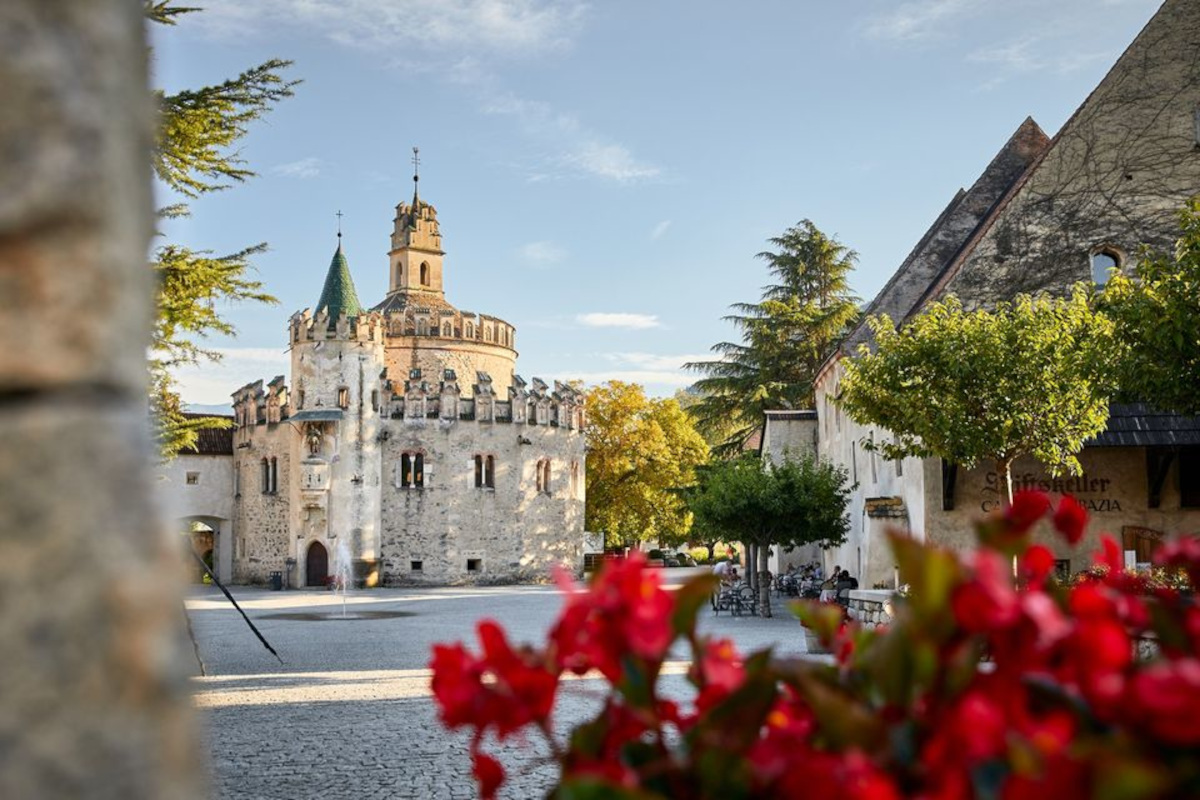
[
  {"x": 786, "y": 336},
  {"x": 194, "y": 154}
]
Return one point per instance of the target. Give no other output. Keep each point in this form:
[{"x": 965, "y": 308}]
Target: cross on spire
[
  {"x": 416, "y": 160},
  {"x": 339, "y": 216}
]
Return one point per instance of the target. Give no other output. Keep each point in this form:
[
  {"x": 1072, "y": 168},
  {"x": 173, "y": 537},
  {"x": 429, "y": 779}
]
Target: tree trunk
[
  {"x": 764, "y": 581},
  {"x": 751, "y": 578},
  {"x": 1004, "y": 473},
  {"x": 94, "y": 700}
]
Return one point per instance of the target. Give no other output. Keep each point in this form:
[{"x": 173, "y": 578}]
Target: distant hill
[{"x": 216, "y": 409}]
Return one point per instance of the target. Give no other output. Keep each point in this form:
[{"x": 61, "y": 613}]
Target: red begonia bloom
[
  {"x": 988, "y": 601},
  {"x": 1038, "y": 562},
  {"x": 1165, "y": 699},
  {"x": 624, "y": 610},
  {"x": 1070, "y": 519},
  {"x": 488, "y": 773},
  {"x": 1026, "y": 509}
]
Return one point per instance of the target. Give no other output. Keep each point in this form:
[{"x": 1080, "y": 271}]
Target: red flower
[
  {"x": 986, "y": 602},
  {"x": 624, "y": 610},
  {"x": 1070, "y": 519},
  {"x": 1165, "y": 699},
  {"x": 1110, "y": 556},
  {"x": 520, "y": 690},
  {"x": 1038, "y": 562},
  {"x": 488, "y": 772},
  {"x": 1026, "y": 509}
]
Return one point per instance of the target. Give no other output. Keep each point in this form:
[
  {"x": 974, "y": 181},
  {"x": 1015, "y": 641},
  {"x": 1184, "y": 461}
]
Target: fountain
[{"x": 343, "y": 571}]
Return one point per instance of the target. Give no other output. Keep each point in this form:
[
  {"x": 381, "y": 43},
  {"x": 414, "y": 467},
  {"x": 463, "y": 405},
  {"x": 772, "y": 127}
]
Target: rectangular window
[
  {"x": 374, "y": 399},
  {"x": 474, "y": 564},
  {"x": 419, "y": 470},
  {"x": 1189, "y": 478},
  {"x": 193, "y": 478},
  {"x": 478, "y": 472},
  {"x": 343, "y": 397},
  {"x": 417, "y": 566},
  {"x": 406, "y": 470},
  {"x": 489, "y": 472}
]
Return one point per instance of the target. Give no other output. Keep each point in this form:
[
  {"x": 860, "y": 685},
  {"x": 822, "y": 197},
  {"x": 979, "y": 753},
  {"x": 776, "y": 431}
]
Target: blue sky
[{"x": 604, "y": 172}]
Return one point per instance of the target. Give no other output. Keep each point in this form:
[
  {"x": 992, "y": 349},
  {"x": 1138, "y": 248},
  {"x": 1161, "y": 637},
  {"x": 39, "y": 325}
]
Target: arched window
[
  {"x": 447, "y": 330},
  {"x": 274, "y": 475},
  {"x": 424, "y": 274},
  {"x": 1104, "y": 261},
  {"x": 412, "y": 470},
  {"x": 422, "y": 327},
  {"x": 544, "y": 476},
  {"x": 265, "y": 476},
  {"x": 487, "y": 334},
  {"x": 343, "y": 397},
  {"x": 489, "y": 472},
  {"x": 478, "y": 472},
  {"x": 469, "y": 330},
  {"x": 405, "y": 470}
]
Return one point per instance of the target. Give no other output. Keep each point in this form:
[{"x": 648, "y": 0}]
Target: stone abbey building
[
  {"x": 1047, "y": 212},
  {"x": 404, "y": 443}
]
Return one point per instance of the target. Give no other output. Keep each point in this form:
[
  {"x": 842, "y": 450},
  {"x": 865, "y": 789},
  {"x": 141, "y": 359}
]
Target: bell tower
[{"x": 416, "y": 255}]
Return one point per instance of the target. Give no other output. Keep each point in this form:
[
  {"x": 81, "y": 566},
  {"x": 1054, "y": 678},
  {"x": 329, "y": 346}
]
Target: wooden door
[{"x": 317, "y": 565}]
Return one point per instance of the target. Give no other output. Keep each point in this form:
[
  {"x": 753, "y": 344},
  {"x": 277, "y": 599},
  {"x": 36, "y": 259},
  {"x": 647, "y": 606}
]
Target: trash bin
[{"x": 276, "y": 581}]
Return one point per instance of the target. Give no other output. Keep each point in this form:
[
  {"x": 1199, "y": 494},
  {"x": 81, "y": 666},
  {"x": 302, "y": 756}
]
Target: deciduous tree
[
  {"x": 1032, "y": 377},
  {"x": 641, "y": 453},
  {"x": 1157, "y": 313},
  {"x": 801, "y": 501}
]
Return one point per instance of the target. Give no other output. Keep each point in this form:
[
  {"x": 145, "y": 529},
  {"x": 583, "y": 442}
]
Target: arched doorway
[
  {"x": 203, "y": 540},
  {"x": 316, "y": 568}
]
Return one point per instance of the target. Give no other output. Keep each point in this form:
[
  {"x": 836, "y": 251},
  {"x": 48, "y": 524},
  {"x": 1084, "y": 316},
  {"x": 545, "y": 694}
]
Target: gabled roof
[
  {"x": 1130, "y": 104},
  {"x": 936, "y": 250},
  {"x": 954, "y": 227},
  {"x": 338, "y": 296},
  {"x": 211, "y": 441},
  {"x": 1140, "y": 425}
]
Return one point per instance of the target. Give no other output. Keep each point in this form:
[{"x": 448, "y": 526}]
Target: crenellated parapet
[
  {"x": 255, "y": 404},
  {"x": 306, "y": 326},
  {"x": 533, "y": 403},
  {"x": 445, "y": 322}
]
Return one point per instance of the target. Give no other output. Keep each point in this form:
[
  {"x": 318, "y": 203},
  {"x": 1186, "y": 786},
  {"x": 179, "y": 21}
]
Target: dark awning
[
  {"x": 1140, "y": 425},
  {"x": 317, "y": 415}
]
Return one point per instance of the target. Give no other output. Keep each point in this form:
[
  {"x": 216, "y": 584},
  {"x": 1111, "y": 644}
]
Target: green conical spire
[{"x": 338, "y": 295}]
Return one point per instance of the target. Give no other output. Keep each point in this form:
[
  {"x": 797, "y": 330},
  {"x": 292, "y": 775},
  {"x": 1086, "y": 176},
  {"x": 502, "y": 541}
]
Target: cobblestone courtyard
[{"x": 349, "y": 713}]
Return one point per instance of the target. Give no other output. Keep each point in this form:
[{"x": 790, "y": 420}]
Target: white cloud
[
  {"x": 213, "y": 383},
  {"x": 542, "y": 253},
  {"x": 664, "y": 372},
  {"x": 575, "y": 149},
  {"x": 618, "y": 320},
  {"x": 920, "y": 19},
  {"x": 660, "y": 229},
  {"x": 440, "y": 28},
  {"x": 304, "y": 168},
  {"x": 1023, "y": 55}
]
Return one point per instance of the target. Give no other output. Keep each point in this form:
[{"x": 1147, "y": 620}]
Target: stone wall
[
  {"x": 94, "y": 700},
  {"x": 1115, "y": 177},
  {"x": 262, "y": 519},
  {"x": 434, "y": 354},
  {"x": 514, "y": 531},
  {"x": 871, "y": 607}
]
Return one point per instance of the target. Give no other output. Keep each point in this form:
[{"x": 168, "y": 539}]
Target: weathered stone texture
[
  {"x": 92, "y": 699},
  {"x": 1115, "y": 176}
]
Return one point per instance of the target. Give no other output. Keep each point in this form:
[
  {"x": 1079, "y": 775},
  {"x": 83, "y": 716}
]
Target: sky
[{"x": 605, "y": 172}]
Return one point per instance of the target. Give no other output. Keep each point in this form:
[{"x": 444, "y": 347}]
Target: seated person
[{"x": 829, "y": 587}]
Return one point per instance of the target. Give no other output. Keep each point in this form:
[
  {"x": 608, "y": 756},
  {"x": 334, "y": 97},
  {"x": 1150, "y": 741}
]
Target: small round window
[{"x": 1103, "y": 263}]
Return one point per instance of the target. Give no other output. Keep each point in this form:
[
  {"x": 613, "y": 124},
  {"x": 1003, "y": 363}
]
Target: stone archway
[
  {"x": 316, "y": 565},
  {"x": 203, "y": 541},
  {"x": 211, "y": 538}
]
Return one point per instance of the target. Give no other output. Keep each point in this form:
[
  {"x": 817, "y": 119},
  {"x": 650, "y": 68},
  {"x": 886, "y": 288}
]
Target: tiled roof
[
  {"x": 212, "y": 441},
  {"x": 338, "y": 295},
  {"x": 1139, "y": 425}
]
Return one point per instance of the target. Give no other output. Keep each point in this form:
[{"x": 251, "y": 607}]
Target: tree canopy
[
  {"x": 785, "y": 337},
  {"x": 1032, "y": 377},
  {"x": 195, "y": 153},
  {"x": 641, "y": 453},
  {"x": 801, "y": 501},
  {"x": 1157, "y": 314}
]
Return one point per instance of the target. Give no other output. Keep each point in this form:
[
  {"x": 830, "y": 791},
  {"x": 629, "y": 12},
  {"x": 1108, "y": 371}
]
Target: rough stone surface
[
  {"x": 74, "y": 135},
  {"x": 350, "y": 713}
]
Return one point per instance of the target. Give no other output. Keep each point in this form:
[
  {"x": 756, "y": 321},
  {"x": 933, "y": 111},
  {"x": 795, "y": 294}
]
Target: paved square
[{"x": 349, "y": 714}]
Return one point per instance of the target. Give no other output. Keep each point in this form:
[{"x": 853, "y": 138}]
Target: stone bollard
[{"x": 93, "y": 693}]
